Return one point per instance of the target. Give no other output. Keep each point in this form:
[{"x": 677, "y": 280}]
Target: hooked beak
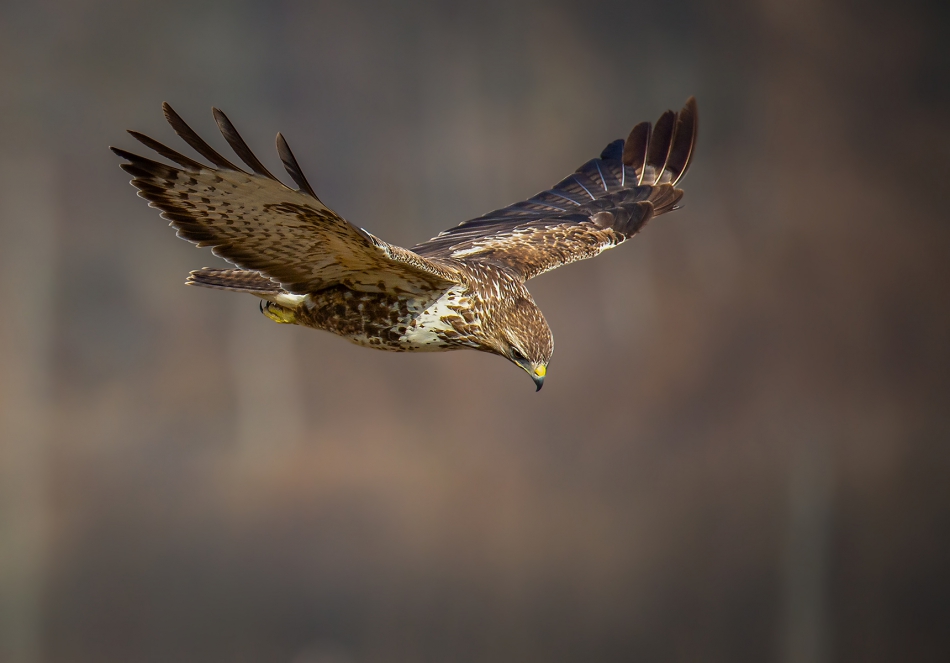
[
  {"x": 538, "y": 376},
  {"x": 537, "y": 372}
]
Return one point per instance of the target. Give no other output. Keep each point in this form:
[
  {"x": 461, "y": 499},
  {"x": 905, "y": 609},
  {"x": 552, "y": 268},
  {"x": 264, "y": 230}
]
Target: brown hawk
[{"x": 464, "y": 288}]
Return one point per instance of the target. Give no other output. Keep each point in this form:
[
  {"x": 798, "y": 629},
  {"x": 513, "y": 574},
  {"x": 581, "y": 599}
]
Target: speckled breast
[{"x": 394, "y": 322}]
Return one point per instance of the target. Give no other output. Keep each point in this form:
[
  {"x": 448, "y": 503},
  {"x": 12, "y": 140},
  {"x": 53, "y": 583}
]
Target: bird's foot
[{"x": 278, "y": 313}]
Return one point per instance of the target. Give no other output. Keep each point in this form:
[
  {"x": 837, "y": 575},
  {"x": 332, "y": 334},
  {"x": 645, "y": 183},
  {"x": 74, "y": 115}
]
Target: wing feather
[
  {"x": 604, "y": 203},
  {"x": 291, "y": 165},
  {"x": 635, "y": 149},
  {"x": 659, "y": 148},
  {"x": 238, "y": 145},
  {"x": 684, "y": 140}
]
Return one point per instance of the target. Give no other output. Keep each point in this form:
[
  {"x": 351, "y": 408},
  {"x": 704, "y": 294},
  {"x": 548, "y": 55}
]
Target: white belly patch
[{"x": 424, "y": 334}]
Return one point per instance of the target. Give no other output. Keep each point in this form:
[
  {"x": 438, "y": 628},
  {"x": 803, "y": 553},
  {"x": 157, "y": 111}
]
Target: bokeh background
[{"x": 742, "y": 452}]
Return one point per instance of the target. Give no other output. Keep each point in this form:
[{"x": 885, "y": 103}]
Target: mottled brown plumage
[{"x": 462, "y": 289}]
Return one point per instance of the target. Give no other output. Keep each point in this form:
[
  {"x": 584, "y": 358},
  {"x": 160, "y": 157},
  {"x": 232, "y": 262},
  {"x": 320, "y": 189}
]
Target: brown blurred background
[{"x": 742, "y": 452}]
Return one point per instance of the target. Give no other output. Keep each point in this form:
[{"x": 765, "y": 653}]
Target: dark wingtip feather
[
  {"x": 139, "y": 166},
  {"x": 684, "y": 142},
  {"x": 613, "y": 151},
  {"x": 167, "y": 152},
  {"x": 188, "y": 135},
  {"x": 122, "y": 154},
  {"x": 635, "y": 148},
  {"x": 238, "y": 145},
  {"x": 659, "y": 149},
  {"x": 293, "y": 168}
]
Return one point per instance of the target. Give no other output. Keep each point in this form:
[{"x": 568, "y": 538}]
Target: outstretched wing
[
  {"x": 254, "y": 221},
  {"x": 605, "y": 202}
]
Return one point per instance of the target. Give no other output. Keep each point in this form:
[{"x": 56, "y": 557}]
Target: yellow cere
[{"x": 541, "y": 370}]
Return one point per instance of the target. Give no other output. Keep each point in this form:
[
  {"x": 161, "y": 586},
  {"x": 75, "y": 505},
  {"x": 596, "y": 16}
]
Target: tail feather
[{"x": 236, "y": 280}]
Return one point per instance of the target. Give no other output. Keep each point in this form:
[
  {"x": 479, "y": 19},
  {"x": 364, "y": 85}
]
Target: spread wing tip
[
  {"x": 660, "y": 153},
  {"x": 233, "y": 138}
]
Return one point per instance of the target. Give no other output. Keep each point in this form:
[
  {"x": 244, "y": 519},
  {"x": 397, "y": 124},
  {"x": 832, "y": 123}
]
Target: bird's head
[{"x": 525, "y": 339}]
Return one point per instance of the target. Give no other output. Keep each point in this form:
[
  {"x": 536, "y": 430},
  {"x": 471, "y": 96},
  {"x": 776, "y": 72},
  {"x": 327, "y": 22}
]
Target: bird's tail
[{"x": 235, "y": 280}]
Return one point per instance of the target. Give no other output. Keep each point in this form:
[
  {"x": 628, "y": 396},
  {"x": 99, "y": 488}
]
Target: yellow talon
[{"x": 278, "y": 313}]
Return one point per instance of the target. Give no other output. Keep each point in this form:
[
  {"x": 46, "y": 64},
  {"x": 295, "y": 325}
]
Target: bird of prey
[{"x": 464, "y": 288}]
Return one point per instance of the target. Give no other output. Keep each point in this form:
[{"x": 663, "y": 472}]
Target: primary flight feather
[{"x": 464, "y": 288}]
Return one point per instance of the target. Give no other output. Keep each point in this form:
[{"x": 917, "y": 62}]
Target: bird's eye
[{"x": 516, "y": 353}]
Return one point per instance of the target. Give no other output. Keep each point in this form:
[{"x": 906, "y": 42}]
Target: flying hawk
[{"x": 464, "y": 288}]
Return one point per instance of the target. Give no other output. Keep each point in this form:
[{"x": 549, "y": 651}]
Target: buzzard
[{"x": 464, "y": 288}]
